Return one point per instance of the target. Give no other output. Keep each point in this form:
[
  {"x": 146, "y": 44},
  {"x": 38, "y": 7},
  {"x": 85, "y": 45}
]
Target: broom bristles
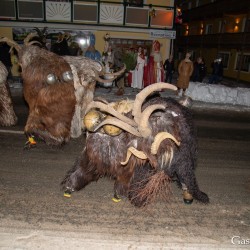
[{"x": 157, "y": 186}]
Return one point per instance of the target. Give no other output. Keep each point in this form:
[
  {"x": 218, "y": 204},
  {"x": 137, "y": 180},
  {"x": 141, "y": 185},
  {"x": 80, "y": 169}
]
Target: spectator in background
[
  {"x": 169, "y": 69},
  {"x": 185, "y": 70},
  {"x": 217, "y": 72},
  {"x": 91, "y": 52},
  {"x": 199, "y": 70},
  {"x": 155, "y": 64},
  {"x": 202, "y": 70},
  {"x": 139, "y": 70}
]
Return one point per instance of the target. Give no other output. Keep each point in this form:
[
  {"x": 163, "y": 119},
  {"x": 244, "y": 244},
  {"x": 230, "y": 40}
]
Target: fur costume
[
  {"x": 7, "y": 113},
  {"x": 157, "y": 144},
  {"x": 57, "y": 90}
]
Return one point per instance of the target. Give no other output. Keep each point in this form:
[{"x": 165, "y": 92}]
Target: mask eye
[
  {"x": 51, "y": 79},
  {"x": 67, "y": 76}
]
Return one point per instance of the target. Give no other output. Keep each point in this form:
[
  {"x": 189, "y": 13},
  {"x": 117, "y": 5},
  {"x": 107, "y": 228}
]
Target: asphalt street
[{"x": 35, "y": 215}]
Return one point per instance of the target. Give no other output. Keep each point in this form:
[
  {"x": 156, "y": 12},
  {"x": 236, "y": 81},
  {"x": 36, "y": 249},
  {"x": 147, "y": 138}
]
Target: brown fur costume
[
  {"x": 57, "y": 90},
  {"x": 7, "y": 114}
]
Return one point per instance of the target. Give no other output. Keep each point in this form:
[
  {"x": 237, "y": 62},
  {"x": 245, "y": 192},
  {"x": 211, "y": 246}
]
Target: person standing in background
[
  {"x": 169, "y": 69},
  {"x": 91, "y": 52},
  {"x": 156, "y": 71},
  {"x": 185, "y": 70},
  {"x": 139, "y": 69},
  {"x": 202, "y": 70},
  {"x": 217, "y": 72}
]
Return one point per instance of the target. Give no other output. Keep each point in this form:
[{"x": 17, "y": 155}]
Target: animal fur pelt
[
  {"x": 57, "y": 90},
  {"x": 7, "y": 113},
  {"x": 157, "y": 144}
]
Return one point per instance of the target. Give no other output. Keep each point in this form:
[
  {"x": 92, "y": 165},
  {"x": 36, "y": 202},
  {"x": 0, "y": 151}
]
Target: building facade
[
  {"x": 216, "y": 28},
  {"x": 131, "y": 23}
]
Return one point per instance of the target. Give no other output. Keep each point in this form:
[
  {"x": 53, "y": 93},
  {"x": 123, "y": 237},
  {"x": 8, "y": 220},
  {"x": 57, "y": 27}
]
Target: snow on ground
[
  {"x": 200, "y": 92},
  {"x": 219, "y": 94}
]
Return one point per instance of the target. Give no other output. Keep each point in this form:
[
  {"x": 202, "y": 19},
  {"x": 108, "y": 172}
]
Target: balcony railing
[
  {"x": 216, "y": 9},
  {"x": 91, "y": 12},
  {"x": 224, "y": 40}
]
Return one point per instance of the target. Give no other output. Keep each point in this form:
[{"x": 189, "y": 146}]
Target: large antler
[
  {"x": 110, "y": 110},
  {"x": 27, "y": 39},
  {"x": 140, "y": 122},
  {"x": 140, "y": 97},
  {"x": 111, "y": 76}
]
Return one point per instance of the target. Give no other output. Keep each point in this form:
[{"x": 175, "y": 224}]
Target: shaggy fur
[
  {"x": 103, "y": 153},
  {"x": 55, "y": 110},
  {"x": 7, "y": 113}
]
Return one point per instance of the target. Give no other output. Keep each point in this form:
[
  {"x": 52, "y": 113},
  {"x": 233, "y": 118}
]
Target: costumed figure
[
  {"x": 91, "y": 52},
  {"x": 108, "y": 58},
  {"x": 156, "y": 71},
  {"x": 7, "y": 113},
  {"x": 60, "y": 47},
  {"x": 139, "y": 70},
  {"x": 57, "y": 90},
  {"x": 185, "y": 70},
  {"x": 143, "y": 144}
]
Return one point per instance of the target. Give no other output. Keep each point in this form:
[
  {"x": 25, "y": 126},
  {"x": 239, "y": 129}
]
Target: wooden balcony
[
  {"x": 218, "y": 8},
  {"x": 223, "y": 40}
]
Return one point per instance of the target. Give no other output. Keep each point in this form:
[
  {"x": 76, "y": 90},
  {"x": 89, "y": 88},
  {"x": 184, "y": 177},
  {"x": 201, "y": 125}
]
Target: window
[
  {"x": 245, "y": 62},
  {"x": 135, "y": 3},
  {"x": 209, "y": 29},
  {"x": 225, "y": 58}
]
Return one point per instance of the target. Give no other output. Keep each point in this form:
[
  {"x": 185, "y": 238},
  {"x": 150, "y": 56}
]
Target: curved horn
[
  {"x": 144, "y": 93},
  {"x": 120, "y": 124},
  {"x": 143, "y": 125},
  {"x": 27, "y": 39},
  {"x": 137, "y": 153},
  {"x": 158, "y": 140},
  {"x": 99, "y": 79},
  {"x": 110, "y": 110},
  {"x": 118, "y": 73},
  {"x": 113, "y": 75},
  {"x": 34, "y": 42},
  {"x": 11, "y": 43}
]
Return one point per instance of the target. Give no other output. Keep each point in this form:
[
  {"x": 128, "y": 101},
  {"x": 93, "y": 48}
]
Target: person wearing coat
[{"x": 185, "y": 70}]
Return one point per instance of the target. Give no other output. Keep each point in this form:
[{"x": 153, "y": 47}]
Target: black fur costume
[{"x": 103, "y": 154}]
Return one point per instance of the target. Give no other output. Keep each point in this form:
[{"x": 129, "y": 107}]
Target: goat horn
[
  {"x": 29, "y": 37},
  {"x": 112, "y": 75},
  {"x": 143, "y": 125},
  {"x": 119, "y": 124},
  {"x": 144, "y": 93},
  {"x": 11, "y": 43},
  {"x": 99, "y": 79},
  {"x": 137, "y": 153},
  {"x": 158, "y": 140},
  {"x": 109, "y": 110},
  {"x": 34, "y": 42},
  {"x": 118, "y": 73}
]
